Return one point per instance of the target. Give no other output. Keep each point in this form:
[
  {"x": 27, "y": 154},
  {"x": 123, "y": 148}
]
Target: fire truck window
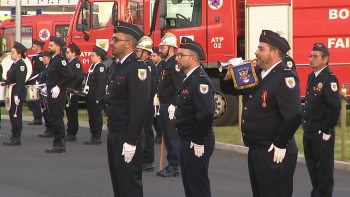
[
  {"x": 134, "y": 13},
  {"x": 62, "y": 31},
  {"x": 87, "y": 17},
  {"x": 183, "y": 13},
  {"x": 102, "y": 14},
  {"x": 9, "y": 38}
]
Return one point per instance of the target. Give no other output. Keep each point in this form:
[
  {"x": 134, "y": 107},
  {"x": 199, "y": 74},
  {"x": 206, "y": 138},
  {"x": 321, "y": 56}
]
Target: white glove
[
  {"x": 55, "y": 91},
  {"x": 235, "y": 61},
  {"x": 128, "y": 152},
  {"x": 325, "y": 137},
  {"x": 44, "y": 90},
  {"x": 279, "y": 154},
  {"x": 198, "y": 149},
  {"x": 17, "y": 100},
  {"x": 171, "y": 111}
]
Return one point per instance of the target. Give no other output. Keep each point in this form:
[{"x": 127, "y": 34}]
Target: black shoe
[
  {"x": 15, "y": 140},
  {"x": 70, "y": 138},
  {"x": 47, "y": 134},
  {"x": 172, "y": 171},
  {"x": 148, "y": 166},
  {"x": 95, "y": 139},
  {"x": 36, "y": 121},
  {"x": 158, "y": 139},
  {"x": 159, "y": 173},
  {"x": 58, "y": 146}
]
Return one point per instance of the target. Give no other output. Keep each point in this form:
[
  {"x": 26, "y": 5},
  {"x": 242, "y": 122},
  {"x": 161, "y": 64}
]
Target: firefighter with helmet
[
  {"x": 167, "y": 88},
  {"x": 143, "y": 51}
]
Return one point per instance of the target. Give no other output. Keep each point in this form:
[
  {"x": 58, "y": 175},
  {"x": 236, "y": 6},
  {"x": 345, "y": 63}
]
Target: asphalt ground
[{"x": 26, "y": 171}]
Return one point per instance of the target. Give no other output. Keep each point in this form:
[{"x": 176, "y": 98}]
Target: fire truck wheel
[{"x": 226, "y": 107}]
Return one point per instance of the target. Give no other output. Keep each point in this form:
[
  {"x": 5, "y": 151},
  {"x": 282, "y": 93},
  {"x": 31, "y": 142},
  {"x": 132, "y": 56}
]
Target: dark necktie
[
  {"x": 312, "y": 78},
  {"x": 115, "y": 67}
]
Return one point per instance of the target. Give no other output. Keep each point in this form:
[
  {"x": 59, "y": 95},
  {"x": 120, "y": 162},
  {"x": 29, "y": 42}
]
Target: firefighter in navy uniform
[
  {"x": 74, "y": 64},
  {"x": 127, "y": 103},
  {"x": 143, "y": 51},
  {"x": 271, "y": 115},
  {"x": 157, "y": 122},
  {"x": 194, "y": 117},
  {"x": 321, "y": 113},
  {"x": 58, "y": 77},
  {"x": 95, "y": 89},
  {"x": 167, "y": 89},
  {"x": 38, "y": 67},
  {"x": 43, "y": 99},
  {"x": 16, "y": 75}
]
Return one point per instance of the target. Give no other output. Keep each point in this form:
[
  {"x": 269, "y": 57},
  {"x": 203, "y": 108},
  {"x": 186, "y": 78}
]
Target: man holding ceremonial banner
[{"x": 271, "y": 115}]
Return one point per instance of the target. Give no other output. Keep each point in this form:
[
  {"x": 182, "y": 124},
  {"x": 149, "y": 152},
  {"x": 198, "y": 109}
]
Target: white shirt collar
[
  {"x": 190, "y": 72},
  {"x": 265, "y": 73},
  {"x": 17, "y": 61},
  {"x": 72, "y": 59},
  {"x": 54, "y": 55},
  {"x": 124, "y": 58},
  {"x": 318, "y": 72},
  {"x": 168, "y": 58}
]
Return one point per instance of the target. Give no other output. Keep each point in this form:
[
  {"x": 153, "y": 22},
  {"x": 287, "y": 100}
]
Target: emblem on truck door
[
  {"x": 103, "y": 43},
  {"x": 44, "y": 34},
  {"x": 215, "y": 4}
]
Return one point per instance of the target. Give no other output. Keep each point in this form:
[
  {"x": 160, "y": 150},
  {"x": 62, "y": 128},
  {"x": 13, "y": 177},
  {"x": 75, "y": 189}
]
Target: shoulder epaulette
[
  {"x": 146, "y": 60},
  {"x": 140, "y": 60},
  {"x": 287, "y": 69},
  {"x": 201, "y": 74},
  {"x": 331, "y": 73}
]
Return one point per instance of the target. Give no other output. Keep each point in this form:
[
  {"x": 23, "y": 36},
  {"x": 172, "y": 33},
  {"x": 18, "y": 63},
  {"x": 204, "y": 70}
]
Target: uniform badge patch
[
  {"x": 22, "y": 68},
  {"x": 78, "y": 65},
  {"x": 334, "y": 87},
  {"x": 290, "y": 64},
  {"x": 177, "y": 68},
  {"x": 142, "y": 74},
  {"x": 41, "y": 58},
  {"x": 150, "y": 69},
  {"x": 64, "y": 63},
  {"x": 290, "y": 82},
  {"x": 102, "y": 69},
  {"x": 203, "y": 88}
]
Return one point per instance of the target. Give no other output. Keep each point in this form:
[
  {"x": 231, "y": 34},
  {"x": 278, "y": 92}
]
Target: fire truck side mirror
[
  {"x": 85, "y": 5},
  {"x": 115, "y": 13},
  {"x": 162, "y": 14}
]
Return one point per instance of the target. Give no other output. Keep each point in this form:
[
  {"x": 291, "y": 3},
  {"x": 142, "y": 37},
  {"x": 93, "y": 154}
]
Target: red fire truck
[
  {"x": 226, "y": 29},
  {"x": 39, "y": 27}
]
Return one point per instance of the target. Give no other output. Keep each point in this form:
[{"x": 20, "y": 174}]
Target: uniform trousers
[
  {"x": 72, "y": 115},
  {"x": 148, "y": 152},
  {"x": 95, "y": 115},
  {"x": 268, "y": 178},
  {"x": 126, "y": 177},
  {"x": 319, "y": 157},
  {"x": 194, "y": 170},
  {"x": 56, "y": 107},
  {"x": 16, "y": 122},
  {"x": 46, "y": 111},
  {"x": 170, "y": 136},
  {"x": 34, "y": 106},
  {"x": 157, "y": 123}
]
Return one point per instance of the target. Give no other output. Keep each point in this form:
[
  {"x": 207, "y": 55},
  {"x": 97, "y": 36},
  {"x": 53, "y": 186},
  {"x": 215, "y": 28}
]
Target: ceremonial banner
[{"x": 244, "y": 75}]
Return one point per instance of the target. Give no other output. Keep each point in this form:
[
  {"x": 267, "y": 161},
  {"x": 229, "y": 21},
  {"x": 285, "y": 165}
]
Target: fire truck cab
[{"x": 39, "y": 27}]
